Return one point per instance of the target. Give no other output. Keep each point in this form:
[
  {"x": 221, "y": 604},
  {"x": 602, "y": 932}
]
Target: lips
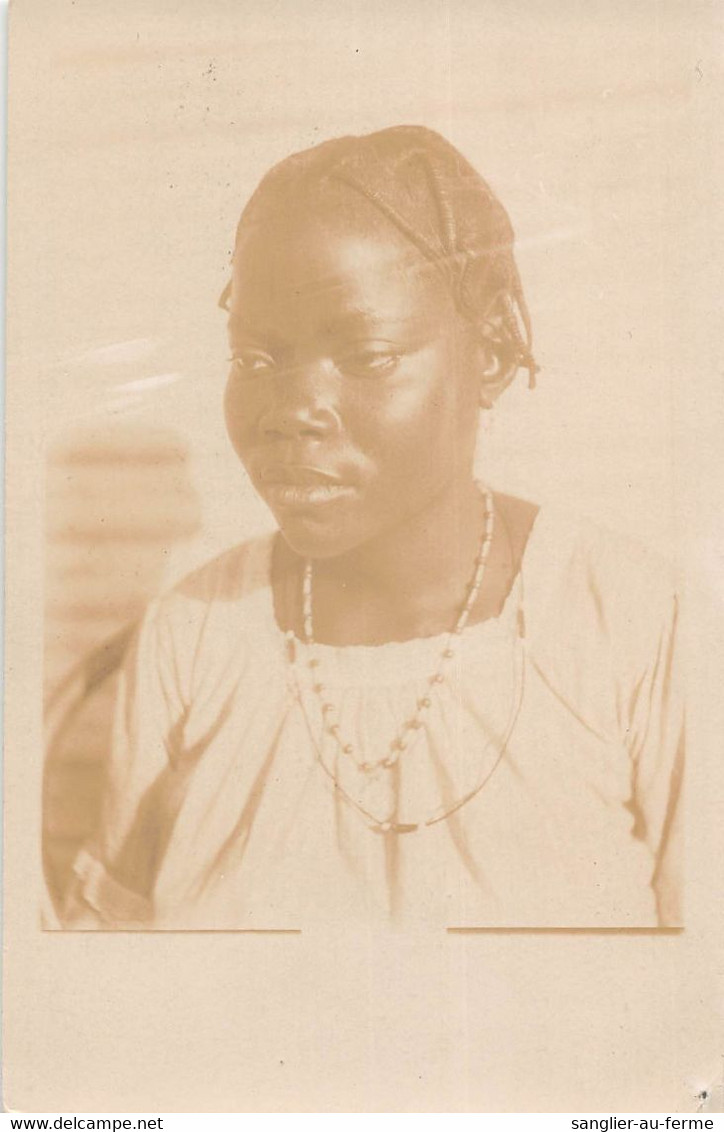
[
  {"x": 301, "y": 485},
  {"x": 298, "y": 475}
]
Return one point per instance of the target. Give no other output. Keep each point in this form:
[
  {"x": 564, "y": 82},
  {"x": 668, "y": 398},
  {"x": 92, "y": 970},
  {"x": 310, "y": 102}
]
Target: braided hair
[{"x": 432, "y": 194}]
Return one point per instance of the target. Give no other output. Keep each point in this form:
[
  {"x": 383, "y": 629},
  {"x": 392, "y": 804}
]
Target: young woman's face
[{"x": 354, "y": 386}]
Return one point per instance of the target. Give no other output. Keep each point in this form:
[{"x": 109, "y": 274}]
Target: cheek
[
  {"x": 432, "y": 413},
  {"x": 240, "y": 411}
]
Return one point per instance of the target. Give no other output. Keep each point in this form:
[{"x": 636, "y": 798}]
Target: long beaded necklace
[{"x": 404, "y": 736}]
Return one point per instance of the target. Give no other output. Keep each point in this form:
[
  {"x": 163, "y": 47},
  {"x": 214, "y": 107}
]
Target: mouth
[{"x": 297, "y": 485}]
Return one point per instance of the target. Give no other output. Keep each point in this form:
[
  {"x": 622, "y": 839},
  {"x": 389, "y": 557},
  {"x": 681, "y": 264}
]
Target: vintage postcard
[{"x": 364, "y": 558}]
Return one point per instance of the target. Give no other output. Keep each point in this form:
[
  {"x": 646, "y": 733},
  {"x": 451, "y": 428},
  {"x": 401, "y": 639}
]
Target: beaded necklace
[{"x": 405, "y": 734}]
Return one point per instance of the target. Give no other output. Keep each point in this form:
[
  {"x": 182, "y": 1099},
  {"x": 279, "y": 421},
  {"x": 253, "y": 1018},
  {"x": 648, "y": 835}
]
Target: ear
[{"x": 497, "y": 361}]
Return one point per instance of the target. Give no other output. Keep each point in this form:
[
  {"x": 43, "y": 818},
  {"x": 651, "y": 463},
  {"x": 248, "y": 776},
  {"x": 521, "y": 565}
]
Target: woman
[{"x": 421, "y": 701}]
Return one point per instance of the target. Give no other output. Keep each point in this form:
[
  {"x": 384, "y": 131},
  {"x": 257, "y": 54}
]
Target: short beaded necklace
[{"x": 401, "y": 740}]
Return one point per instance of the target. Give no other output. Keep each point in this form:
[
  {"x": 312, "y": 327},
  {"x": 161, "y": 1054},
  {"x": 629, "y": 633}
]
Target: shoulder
[
  {"x": 620, "y": 565},
  {"x": 601, "y": 618},
  {"x": 231, "y": 576},
  {"x": 206, "y": 629},
  {"x": 223, "y": 590},
  {"x": 611, "y": 586}
]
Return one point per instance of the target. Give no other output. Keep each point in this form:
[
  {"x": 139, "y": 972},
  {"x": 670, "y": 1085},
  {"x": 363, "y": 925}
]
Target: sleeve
[
  {"x": 114, "y": 873},
  {"x": 655, "y": 739}
]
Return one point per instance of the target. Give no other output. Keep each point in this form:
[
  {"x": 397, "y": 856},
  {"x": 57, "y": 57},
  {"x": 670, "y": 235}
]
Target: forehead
[{"x": 316, "y": 259}]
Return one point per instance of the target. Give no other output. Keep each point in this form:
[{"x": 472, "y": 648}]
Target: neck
[
  {"x": 410, "y": 582},
  {"x": 412, "y": 586},
  {"x": 436, "y": 545}
]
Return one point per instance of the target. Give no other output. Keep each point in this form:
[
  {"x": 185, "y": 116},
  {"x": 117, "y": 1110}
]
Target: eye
[
  {"x": 370, "y": 362},
  {"x": 252, "y": 363}
]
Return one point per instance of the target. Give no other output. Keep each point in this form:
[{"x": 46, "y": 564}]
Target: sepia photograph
[
  {"x": 364, "y": 569},
  {"x": 422, "y": 698}
]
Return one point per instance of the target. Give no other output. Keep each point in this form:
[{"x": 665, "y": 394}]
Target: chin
[{"x": 314, "y": 539}]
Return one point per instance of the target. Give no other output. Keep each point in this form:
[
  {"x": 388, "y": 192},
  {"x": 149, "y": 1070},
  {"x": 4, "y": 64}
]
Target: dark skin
[{"x": 358, "y": 384}]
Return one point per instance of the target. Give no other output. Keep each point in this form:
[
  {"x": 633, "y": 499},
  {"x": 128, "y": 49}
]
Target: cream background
[{"x": 136, "y": 134}]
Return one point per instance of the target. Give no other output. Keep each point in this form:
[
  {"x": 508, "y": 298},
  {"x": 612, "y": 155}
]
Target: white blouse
[{"x": 560, "y": 722}]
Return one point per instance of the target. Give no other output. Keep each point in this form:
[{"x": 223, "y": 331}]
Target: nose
[{"x": 302, "y": 405}]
